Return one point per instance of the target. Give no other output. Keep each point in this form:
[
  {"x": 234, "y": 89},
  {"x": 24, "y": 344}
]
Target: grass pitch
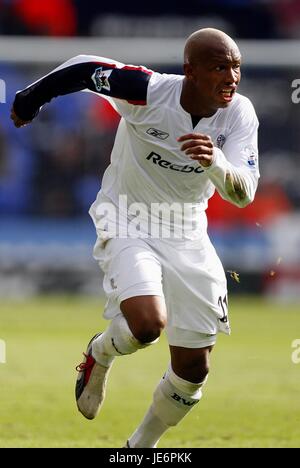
[{"x": 251, "y": 398}]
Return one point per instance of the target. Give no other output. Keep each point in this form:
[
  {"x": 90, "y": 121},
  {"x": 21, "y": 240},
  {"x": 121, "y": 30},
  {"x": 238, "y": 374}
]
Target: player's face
[{"x": 216, "y": 78}]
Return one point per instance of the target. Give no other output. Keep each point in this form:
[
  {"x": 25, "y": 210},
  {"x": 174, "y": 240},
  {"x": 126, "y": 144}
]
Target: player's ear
[{"x": 188, "y": 71}]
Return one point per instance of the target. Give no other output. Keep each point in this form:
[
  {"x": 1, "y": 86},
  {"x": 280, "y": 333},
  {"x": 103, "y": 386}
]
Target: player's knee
[
  {"x": 149, "y": 330},
  {"x": 195, "y": 369},
  {"x": 202, "y": 373},
  {"x": 197, "y": 372},
  {"x": 200, "y": 368},
  {"x": 146, "y": 317}
]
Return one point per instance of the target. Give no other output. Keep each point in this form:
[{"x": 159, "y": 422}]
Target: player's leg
[
  {"x": 138, "y": 326},
  {"x": 176, "y": 394},
  {"x": 194, "y": 291},
  {"x": 136, "y": 307}
]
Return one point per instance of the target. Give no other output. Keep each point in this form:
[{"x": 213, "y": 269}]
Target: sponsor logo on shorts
[
  {"x": 157, "y": 133},
  {"x": 157, "y": 159}
]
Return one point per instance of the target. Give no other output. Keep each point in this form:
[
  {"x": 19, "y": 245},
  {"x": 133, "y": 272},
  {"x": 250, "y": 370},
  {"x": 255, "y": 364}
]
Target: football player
[{"x": 180, "y": 138}]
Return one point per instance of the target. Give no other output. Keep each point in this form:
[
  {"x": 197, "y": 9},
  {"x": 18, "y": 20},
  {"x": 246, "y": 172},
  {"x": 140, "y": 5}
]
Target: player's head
[{"x": 212, "y": 67}]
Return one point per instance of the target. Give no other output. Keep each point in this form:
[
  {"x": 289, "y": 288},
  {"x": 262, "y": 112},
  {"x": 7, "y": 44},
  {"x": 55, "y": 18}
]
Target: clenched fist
[{"x": 199, "y": 147}]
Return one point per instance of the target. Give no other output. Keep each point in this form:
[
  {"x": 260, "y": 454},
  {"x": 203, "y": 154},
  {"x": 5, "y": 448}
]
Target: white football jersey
[{"x": 147, "y": 166}]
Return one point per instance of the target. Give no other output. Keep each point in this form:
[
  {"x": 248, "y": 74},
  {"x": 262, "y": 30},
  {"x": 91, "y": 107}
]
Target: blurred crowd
[{"x": 242, "y": 18}]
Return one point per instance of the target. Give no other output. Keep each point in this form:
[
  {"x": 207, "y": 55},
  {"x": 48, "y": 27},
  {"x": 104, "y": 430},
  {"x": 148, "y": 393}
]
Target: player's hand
[
  {"x": 16, "y": 120},
  {"x": 198, "y": 147}
]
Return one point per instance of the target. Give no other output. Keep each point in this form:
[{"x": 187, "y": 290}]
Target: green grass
[{"x": 251, "y": 398}]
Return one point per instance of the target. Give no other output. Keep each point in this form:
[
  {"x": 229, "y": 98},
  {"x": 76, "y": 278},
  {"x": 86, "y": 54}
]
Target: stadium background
[{"x": 51, "y": 171}]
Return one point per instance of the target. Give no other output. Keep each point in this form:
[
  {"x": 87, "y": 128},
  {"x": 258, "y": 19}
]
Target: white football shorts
[{"x": 187, "y": 274}]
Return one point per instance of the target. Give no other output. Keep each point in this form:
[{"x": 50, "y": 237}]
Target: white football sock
[
  {"x": 117, "y": 340},
  {"x": 173, "y": 398}
]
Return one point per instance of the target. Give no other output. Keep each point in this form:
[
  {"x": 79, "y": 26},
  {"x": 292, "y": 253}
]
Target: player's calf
[{"x": 173, "y": 399}]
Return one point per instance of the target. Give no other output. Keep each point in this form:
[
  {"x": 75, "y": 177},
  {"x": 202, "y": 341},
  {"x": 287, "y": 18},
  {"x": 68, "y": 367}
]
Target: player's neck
[{"x": 194, "y": 105}]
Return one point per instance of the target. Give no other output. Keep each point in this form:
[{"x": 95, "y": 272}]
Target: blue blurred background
[{"x": 51, "y": 170}]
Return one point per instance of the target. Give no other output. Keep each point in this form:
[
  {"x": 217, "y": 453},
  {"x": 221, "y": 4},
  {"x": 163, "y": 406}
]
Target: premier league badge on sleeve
[
  {"x": 252, "y": 155},
  {"x": 100, "y": 78}
]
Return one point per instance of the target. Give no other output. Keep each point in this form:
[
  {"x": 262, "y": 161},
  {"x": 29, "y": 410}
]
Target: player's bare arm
[{"x": 199, "y": 147}]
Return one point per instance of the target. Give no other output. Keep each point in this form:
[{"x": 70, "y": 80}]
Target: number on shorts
[{"x": 223, "y": 303}]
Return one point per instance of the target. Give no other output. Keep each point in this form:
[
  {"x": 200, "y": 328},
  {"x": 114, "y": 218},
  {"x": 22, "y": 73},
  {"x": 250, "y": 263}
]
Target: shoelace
[{"x": 83, "y": 366}]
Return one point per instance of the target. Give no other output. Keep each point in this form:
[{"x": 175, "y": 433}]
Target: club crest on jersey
[
  {"x": 157, "y": 133},
  {"x": 100, "y": 78},
  {"x": 220, "y": 141}
]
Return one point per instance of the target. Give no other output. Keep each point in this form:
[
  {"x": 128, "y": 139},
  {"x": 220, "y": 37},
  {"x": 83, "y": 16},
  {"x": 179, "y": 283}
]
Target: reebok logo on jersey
[
  {"x": 100, "y": 78},
  {"x": 157, "y": 133},
  {"x": 157, "y": 159}
]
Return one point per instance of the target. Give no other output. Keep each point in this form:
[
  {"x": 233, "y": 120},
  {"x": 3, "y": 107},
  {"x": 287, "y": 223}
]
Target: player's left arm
[{"x": 234, "y": 169}]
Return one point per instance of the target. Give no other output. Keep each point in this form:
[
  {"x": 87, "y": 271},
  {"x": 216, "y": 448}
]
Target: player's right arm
[
  {"x": 103, "y": 76},
  {"x": 234, "y": 169}
]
